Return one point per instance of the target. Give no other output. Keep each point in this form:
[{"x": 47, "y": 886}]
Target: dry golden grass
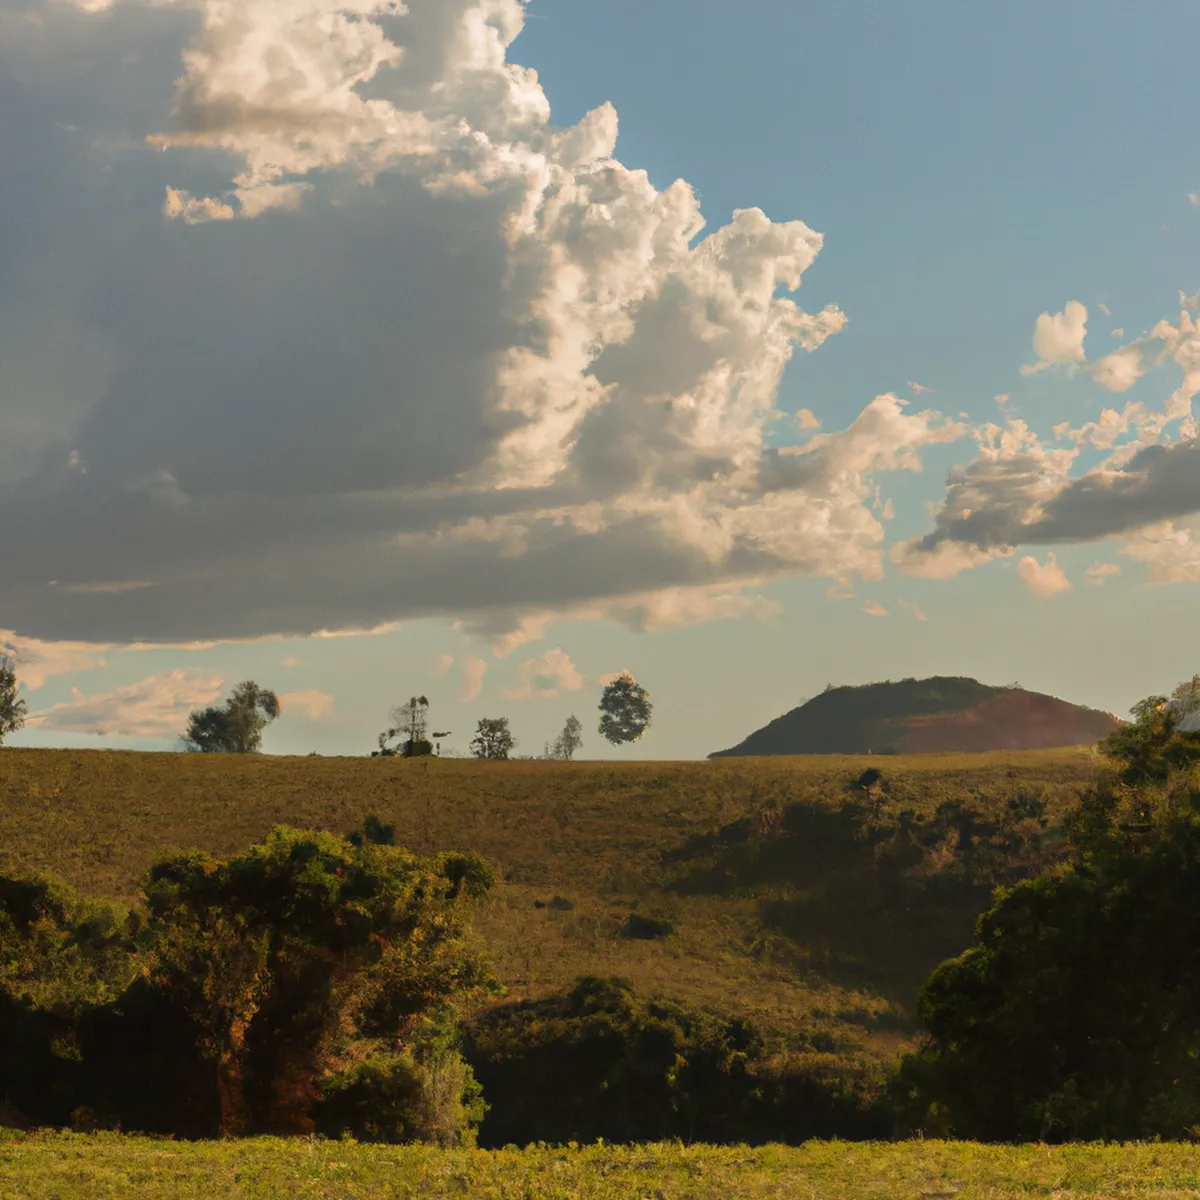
[{"x": 590, "y": 833}]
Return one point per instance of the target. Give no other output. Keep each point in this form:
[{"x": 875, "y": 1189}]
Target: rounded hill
[{"x": 922, "y": 716}]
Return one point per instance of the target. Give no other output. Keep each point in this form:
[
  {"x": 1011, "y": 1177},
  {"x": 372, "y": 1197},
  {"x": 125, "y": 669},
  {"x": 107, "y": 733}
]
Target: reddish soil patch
[{"x": 1013, "y": 720}]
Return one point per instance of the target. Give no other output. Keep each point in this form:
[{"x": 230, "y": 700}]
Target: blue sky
[{"x": 307, "y": 362}]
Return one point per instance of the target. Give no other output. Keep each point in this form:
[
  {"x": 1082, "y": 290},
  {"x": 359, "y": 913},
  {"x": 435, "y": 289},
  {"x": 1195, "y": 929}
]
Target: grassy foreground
[{"x": 109, "y": 1166}]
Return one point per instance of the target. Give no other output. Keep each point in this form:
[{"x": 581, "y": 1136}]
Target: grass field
[
  {"x": 581, "y": 846},
  {"x": 111, "y": 1167}
]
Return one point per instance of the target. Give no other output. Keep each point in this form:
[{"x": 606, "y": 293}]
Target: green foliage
[
  {"x": 241, "y": 986},
  {"x": 419, "y": 1091},
  {"x": 12, "y": 706},
  {"x": 601, "y": 1063},
  {"x": 1076, "y": 1014},
  {"x": 625, "y": 710},
  {"x": 1150, "y": 748},
  {"x": 236, "y": 727},
  {"x": 493, "y": 739}
]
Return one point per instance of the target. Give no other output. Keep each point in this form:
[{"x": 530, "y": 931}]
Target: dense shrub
[
  {"x": 241, "y": 989},
  {"x": 600, "y": 1062}
]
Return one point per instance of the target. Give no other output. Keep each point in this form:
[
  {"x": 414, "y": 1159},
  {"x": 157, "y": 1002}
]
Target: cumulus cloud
[
  {"x": 470, "y": 687},
  {"x": 421, "y": 352},
  {"x": 1043, "y": 579},
  {"x": 1058, "y": 338},
  {"x": 1019, "y": 491},
  {"x": 440, "y": 666},
  {"x": 312, "y": 703},
  {"x": 155, "y": 707},
  {"x": 544, "y": 677},
  {"x": 36, "y": 661},
  {"x": 1118, "y": 371}
]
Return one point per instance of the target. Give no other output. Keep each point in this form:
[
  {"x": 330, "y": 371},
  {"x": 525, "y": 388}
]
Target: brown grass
[{"x": 591, "y": 833}]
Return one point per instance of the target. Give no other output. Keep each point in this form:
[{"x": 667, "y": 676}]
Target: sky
[{"x": 481, "y": 350}]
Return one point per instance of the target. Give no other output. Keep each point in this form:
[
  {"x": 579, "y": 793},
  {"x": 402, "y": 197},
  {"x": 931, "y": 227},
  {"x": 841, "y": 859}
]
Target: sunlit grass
[{"x": 112, "y": 1167}]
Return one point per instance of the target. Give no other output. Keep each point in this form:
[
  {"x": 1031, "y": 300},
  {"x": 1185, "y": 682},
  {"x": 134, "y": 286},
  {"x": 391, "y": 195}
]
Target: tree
[
  {"x": 235, "y": 727},
  {"x": 624, "y": 710},
  {"x": 1153, "y": 744},
  {"x": 12, "y": 707},
  {"x": 409, "y": 721},
  {"x": 1076, "y": 1014},
  {"x": 565, "y": 746},
  {"x": 492, "y": 739}
]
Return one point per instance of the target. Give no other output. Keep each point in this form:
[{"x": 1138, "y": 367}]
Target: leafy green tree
[
  {"x": 1076, "y": 1014},
  {"x": 298, "y": 956},
  {"x": 625, "y": 710},
  {"x": 566, "y": 745},
  {"x": 12, "y": 707},
  {"x": 493, "y": 738},
  {"x": 235, "y": 727},
  {"x": 1151, "y": 747}
]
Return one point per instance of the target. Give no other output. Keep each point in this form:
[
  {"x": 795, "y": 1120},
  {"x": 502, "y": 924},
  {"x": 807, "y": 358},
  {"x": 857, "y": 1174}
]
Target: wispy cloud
[
  {"x": 471, "y": 683},
  {"x": 874, "y": 609},
  {"x": 312, "y": 703},
  {"x": 156, "y": 707}
]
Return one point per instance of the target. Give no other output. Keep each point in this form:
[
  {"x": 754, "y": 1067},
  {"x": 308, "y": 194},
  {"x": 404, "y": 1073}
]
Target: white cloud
[
  {"x": 471, "y": 685},
  {"x": 806, "y": 419},
  {"x": 37, "y": 661},
  {"x": 1170, "y": 555},
  {"x": 1098, "y": 574},
  {"x": 544, "y": 677},
  {"x": 1194, "y": 199},
  {"x": 1058, "y": 338},
  {"x": 315, "y": 705},
  {"x": 1118, "y": 371},
  {"x": 919, "y": 388},
  {"x": 914, "y": 609},
  {"x": 589, "y": 373},
  {"x": 1003, "y": 399},
  {"x": 874, "y": 609},
  {"x": 1043, "y": 579},
  {"x": 1105, "y": 309},
  {"x": 156, "y": 707},
  {"x": 191, "y": 211},
  {"x": 440, "y": 666},
  {"x": 290, "y": 661}
]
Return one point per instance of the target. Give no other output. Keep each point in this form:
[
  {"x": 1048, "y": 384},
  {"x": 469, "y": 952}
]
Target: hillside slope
[
  {"x": 776, "y": 879},
  {"x": 944, "y": 714}
]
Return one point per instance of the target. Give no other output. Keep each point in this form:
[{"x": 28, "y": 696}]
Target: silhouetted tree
[
  {"x": 624, "y": 710},
  {"x": 409, "y": 721},
  {"x": 12, "y": 707},
  {"x": 492, "y": 739},
  {"x": 235, "y": 727},
  {"x": 565, "y": 746}
]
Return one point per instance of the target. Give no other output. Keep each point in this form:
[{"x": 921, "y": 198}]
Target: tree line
[{"x": 236, "y": 725}]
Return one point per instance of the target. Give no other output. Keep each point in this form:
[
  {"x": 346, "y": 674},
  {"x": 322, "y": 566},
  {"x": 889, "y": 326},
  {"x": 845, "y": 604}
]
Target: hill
[
  {"x": 945, "y": 714},
  {"x": 778, "y": 889}
]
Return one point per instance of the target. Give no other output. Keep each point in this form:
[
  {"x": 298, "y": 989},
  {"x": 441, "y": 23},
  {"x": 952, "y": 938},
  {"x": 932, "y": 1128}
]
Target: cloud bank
[{"x": 419, "y": 352}]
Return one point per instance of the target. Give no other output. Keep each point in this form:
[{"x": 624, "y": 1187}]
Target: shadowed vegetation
[{"x": 767, "y": 884}]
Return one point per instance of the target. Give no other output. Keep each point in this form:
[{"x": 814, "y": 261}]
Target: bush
[{"x": 600, "y": 1062}]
